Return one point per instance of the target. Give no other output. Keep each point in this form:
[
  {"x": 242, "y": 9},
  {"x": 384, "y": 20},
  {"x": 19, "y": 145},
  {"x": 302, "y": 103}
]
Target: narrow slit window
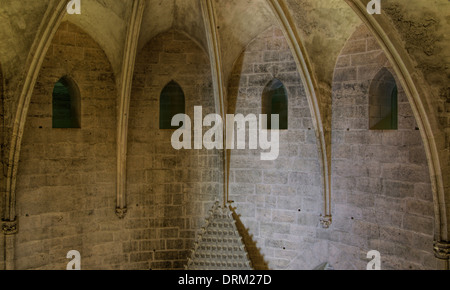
[
  {"x": 172, "y": 103},
  {"x": 66, "y": 105},
  {"x": 383, "y": 102},
  {"x": 275, "y": 102}
]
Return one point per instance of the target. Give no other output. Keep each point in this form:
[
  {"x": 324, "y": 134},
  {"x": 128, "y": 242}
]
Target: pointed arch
[
  {"x": 66, "y": 101},
  {"x": 418, "y": 95},
  {"x": 383, "y": 102},
  {"x": 38, "y": 51},
  {"x": 171, "y": 103},
  {"x": 49, "y": 25},
  {"x": 93, "y": 78},
  {"x": 275, "y": 102}
]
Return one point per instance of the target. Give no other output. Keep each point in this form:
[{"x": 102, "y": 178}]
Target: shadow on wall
[
  {"x": 380, "y": 172},
  {"x": 257, "y": 259},
  {"x": 253, "y": 251}
]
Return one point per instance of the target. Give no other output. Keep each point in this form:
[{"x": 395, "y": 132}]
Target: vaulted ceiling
[
  {"x": 324, "y": 26},
  {"x": 19, "y": 23}
]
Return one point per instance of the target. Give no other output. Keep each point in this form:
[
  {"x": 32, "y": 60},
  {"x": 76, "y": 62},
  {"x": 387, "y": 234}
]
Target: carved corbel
[
  {"x": 9, "y": 227},
  {"x": 326, "y": 221},
  {"x": 121, "y": 212},
  {"x": 442, "y": 250}
]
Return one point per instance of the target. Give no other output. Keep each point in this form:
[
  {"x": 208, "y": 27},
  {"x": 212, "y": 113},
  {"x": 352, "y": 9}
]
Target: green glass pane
[
  {"x": 64, "y": 108},
  {"x": 275, "y": 102},
  {"x": 172, "y": 103},
  {"x": 383, "y": 102}
]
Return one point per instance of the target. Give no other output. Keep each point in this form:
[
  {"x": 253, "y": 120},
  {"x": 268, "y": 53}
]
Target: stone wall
[
  {"x": 279, "y": 202},
  {"x": 66, "y": 178},
  {"x": 66, "y": 182},
  {"x": 170, "y": 192},
  {"x": 382, "y": 197}
]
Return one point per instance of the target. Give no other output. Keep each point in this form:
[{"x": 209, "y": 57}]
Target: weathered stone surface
[
  {"x": 68, "y": 171},
  {"x": 383, "y": 176},
  {"x": 66, "y": 181},
  {"x": 381, "y": 193},
  {"x": 182, "y": 185},
  {"x": 274, "y": 197}
]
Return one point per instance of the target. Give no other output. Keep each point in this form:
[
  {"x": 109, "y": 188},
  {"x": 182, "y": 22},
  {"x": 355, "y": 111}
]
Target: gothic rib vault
[{"x": 223, "y": 30}]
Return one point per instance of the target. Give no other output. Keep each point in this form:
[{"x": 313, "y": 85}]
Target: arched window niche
[
  {"x": 172, "y": 103},
  {"x": 275, "y": 102},
  {"x": 66, "y": 104},
  {"x": 383, "y": 102},
  {"x": 1, "y": 84}
]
